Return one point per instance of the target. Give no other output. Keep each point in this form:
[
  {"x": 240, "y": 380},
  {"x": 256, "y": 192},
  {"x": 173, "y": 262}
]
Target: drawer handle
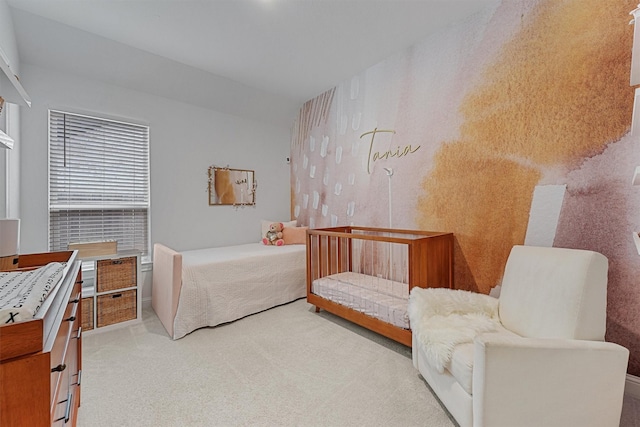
[
  {"x": 61, "y": 367},
  {"x": 70, "y": 319},
  {"x": 116, "y": 296},
  {"x": 117, "y": 261},
  {"x": 74, "y": 301}
]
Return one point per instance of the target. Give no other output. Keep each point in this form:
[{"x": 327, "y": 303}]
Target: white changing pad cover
[
  {"x": 223, "y": 284},
  {"x": 377, "y": 297},
  {"x": 23, "y": 292}
]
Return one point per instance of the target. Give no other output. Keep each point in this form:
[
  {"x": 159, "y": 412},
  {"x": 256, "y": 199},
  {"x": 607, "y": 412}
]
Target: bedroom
[{"x": 194, "y": 126}]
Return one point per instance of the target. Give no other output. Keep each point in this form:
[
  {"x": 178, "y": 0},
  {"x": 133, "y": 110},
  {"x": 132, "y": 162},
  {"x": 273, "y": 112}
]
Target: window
[{"x": 98, "y": 182}]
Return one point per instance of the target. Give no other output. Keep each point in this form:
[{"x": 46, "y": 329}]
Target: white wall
[
  {"x": 4, "y": 160},
  {"x": 184, "y": 141},
  {"x": 9, "y": 123},
  {"x": 8, "y": 38},
  {"x": 10, "y": 163}
]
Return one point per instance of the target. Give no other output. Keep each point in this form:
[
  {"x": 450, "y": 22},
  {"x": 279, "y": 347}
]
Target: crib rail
[
  {"x": 410, "y": 257},
  {"x": 416, "y": 257}
]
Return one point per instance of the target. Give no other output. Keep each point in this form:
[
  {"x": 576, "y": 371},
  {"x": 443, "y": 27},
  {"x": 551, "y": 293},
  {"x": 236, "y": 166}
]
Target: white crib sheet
[{"x": 377, "y": 297}]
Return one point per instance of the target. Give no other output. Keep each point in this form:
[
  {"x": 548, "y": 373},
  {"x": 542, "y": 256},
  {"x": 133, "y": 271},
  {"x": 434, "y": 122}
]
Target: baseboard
[
  {"x": 146, "y": 302},
  {"x": 632, "y": 386}
]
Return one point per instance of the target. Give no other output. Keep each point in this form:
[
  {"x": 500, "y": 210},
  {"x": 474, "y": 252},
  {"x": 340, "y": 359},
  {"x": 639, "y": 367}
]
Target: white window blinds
[{"x": 98, "y": 182}]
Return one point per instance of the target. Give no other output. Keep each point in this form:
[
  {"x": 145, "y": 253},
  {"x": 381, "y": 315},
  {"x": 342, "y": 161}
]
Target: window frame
[{"x": 145, "y": 256}]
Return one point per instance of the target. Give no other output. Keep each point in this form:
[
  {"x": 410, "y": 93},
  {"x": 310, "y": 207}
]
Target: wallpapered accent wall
[{"x": 512, "y": 127}]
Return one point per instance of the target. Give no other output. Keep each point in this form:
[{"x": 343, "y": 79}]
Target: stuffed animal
[{"x": 274, "y": 235}]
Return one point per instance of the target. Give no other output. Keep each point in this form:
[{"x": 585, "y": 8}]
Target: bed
[
  {"x": 209, "y": 287},
  {"x": 365, "y": 274}
]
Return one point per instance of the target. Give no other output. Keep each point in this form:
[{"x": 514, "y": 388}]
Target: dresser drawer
[
  {"x": 66, "y": 411},
  {"x": 63, "y": 349},
  {"x": 68, "y": 318},
  {"x": 62, "y": 409},
  {"x": 113, "y": 274},
  {"x": 66, "y": 400},
  {"x": 37, "y": 379}
]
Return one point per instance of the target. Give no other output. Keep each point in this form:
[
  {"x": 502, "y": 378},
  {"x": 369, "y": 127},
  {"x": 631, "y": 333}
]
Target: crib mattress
[{"x": 377, "y": 297}]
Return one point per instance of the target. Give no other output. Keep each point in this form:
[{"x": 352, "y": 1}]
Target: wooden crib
[{"x": 365, "y": 274}]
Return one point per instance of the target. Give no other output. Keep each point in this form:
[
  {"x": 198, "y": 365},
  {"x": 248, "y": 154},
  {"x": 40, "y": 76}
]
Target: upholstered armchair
[{"x": 535, "y": 356}]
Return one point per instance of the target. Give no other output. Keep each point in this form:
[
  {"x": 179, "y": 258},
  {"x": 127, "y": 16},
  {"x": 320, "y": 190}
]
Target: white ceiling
[{"x": 281, "y": 51}]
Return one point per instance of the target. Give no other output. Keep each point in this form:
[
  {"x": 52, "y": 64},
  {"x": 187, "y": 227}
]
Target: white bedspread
[
  {"x": 220, "y": 285},
  {"x": 23, "y": 292}
]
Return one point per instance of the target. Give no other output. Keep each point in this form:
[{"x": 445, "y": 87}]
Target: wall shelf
[
  {"x": 635, "y": 119},
  {"x": 636, "y": 176},
  {"x": 10, "y": 87},
  {"x": 636, "y": 240},
  {"x": 635, "y": 53},
  {"x": 5, "y": 140}
]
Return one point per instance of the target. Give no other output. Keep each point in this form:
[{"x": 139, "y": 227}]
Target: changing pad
[{"x": 23, "y": 292}]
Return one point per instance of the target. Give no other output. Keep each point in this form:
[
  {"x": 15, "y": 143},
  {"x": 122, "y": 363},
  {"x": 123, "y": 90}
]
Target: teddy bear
[{"x": 274, "y": 235}]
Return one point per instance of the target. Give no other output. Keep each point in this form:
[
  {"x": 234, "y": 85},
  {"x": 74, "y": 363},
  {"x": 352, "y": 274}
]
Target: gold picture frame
[{"x": 235, "y": 187}]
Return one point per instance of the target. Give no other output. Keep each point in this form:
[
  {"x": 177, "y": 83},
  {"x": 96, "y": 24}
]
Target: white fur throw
[{"x": 443, "y": 318}]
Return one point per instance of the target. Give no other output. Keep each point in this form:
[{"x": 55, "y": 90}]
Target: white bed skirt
[{"x": 220, "y": 285}]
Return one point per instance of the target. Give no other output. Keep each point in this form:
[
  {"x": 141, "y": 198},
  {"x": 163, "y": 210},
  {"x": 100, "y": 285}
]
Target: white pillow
[{"x": 265, "y": 226}]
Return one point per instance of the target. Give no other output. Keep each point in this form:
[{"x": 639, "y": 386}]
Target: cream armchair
[{"x": 534, "y": 357}]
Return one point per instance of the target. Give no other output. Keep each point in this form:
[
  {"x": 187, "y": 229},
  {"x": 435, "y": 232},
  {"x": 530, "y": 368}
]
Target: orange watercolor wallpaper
[
  {"x": 489, "y": 117},
  {"x": 552, "y": 98}
]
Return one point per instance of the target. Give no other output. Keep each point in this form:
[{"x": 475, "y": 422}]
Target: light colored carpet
[
  {"x": 630, "y": 412},
  {"x": 287, "y": 366}
]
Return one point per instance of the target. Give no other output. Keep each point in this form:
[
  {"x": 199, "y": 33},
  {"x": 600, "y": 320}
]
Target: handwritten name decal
[{"x": 377, "y": 155}]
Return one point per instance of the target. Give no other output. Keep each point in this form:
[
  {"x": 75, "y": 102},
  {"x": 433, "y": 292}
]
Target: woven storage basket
[
  {"x": 87, "y": 314},
  {"x": 115, "y": 274},
  {"x": 116, "y": 307}
]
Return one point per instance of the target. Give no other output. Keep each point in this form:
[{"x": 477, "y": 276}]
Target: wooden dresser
[{"x": 41, "y": 359}]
